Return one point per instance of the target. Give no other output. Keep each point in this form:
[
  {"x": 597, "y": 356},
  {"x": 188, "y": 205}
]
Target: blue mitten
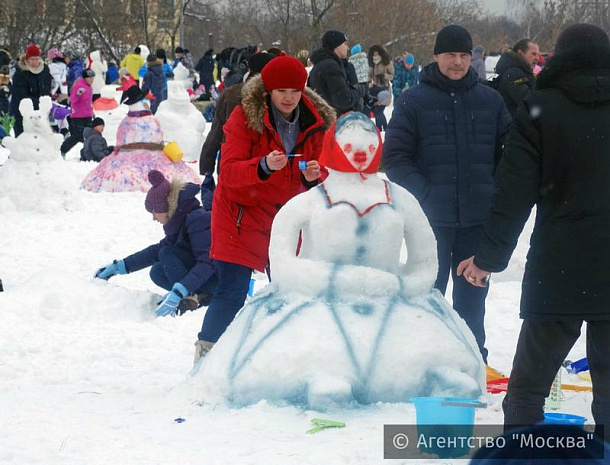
[
  {"x": 169, "y": 305},
  {"x": 108, "y": 271}
]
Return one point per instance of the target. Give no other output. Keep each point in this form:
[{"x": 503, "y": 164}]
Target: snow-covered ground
[{"x": 89, "y": 376}]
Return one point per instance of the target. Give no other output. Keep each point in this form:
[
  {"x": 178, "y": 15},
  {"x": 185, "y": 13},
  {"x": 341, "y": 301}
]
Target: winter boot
[
  {"x": 204, "y": 299},
  {"x": 201, "y": 349},
  {"x": 188, "y": 304}
]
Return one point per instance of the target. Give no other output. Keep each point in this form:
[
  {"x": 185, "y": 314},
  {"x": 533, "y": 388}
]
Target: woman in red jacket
[{"x": 277, "y": 117}]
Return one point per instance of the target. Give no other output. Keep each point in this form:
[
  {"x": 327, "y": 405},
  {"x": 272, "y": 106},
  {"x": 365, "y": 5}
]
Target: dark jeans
[
  {"x": 230, "y": 296},
  {"x": 455, "y": 245},
  {"x": 541, "y": 350},
  {"x": 173, "y": 265},
  {"x": 77, "y": 126},
  {"x": 380, "y": 119}
]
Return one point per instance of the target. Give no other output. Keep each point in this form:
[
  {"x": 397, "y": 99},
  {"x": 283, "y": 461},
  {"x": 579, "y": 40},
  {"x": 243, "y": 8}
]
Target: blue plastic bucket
[
  {"x": 563, "y": 419},
  {"x": 445, "y": 417}
]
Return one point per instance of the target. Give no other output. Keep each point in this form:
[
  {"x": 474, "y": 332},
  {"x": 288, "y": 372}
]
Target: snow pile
[
  {"x": 181, "y": 121},
  {"x": 352, "y": 323},
  {"x": 35, "y": 177}
]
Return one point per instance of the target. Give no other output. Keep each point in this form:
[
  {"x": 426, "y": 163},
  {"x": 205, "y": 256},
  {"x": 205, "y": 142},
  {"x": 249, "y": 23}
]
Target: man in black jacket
[
  {"x": 515, "y": 69},
  {"x": 329, "y": 77},
  {"x": 441, "y": 145},
  {"x": 32, "y": 80},
  {"x": 556, "y": 158}
]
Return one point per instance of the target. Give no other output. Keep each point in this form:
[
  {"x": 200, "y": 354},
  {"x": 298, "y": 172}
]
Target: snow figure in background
[
  {"x": 344, "y": 322},
  {"x": 138, "y": 150},
  {"x": 181, "y": 121},
  {"x": 181, "y": 75},
  {"x": 107, "y": 108},
  {"x": 35, "y": 178}
]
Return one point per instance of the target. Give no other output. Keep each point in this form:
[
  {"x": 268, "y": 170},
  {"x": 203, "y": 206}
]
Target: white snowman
[
  {"x": 107, "y": 107},
  {"x": 181, "y": 75},
  {"x": 344, "y": 322},
  {"x": 181, "y": 121},
  {"x": 35, "y": 177}
]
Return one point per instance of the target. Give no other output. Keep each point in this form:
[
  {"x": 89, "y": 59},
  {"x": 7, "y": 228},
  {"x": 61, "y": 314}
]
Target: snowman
[
  {"x": 35, "y": 177},
  {"x": 181, "y": 75},
  {"x": 181, "y": 121},
  {"x": 344, "y": 322},
  {"x": 107, "y": 108},
  {"x": 138, "y": 150}
]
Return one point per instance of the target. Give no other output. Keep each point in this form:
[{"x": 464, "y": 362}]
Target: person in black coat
[
  {"x": 515, "y": 73},
  {"x": 442, "y": 144},
  {"x": 155, "y": 81},
  {"x": 329, "y": 76},
  {"x": 205, "y": 68},
  {"x": 32, "y": 80},
  {"x": 556, "y": 158},
  {"x": 180, "y": 263}
]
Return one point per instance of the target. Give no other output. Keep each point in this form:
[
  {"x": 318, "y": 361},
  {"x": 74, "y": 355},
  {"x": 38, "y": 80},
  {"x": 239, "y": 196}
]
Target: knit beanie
[
  {"x": 409, "y": 59},
  {"x": 97, "y": 122},
  {"x": 156, "y": 198},
  {"x": 54, "y": 53},
  {"x": 179, "y": 50},
  {"x": 580, "y": 36},
  {"x": 454, "y": 39},
  {"x": 355, "y": 49},
  {"x": 87, "y": 73},
  {"x": 258, "y": 61},
  {"x": 284, "y": 73},
  {"x": 152, "y": 58},
  {"x": 332, "y": 39},
  {"x": 32, "y": 51}
]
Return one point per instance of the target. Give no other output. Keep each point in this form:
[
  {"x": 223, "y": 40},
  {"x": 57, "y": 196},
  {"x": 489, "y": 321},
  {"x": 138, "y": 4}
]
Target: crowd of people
[{"x": 477, "y": 154}]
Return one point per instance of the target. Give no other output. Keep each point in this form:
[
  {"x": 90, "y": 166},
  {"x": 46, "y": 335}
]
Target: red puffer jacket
[{"x": 244, "y": 205}]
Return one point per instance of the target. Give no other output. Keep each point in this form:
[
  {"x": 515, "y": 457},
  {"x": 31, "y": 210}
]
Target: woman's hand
[
  {"x": 312, "y": 172},
  {"x": 276, "y": 160}
]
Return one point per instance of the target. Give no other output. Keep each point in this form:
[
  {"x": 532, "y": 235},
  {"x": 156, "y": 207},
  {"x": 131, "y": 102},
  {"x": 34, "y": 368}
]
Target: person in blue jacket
[
  {"x": 442, "y": 145},
  {"x": 180, "y": 263}
]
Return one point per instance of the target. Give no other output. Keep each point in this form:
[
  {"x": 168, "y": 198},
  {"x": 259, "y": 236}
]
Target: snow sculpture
[
  {"x": 138, "y": 150},
  {"x": 181, "y": 75},
  {"x": 344, "y": 322},
  {"x": 35, "y": 176},
  {"x": 181, "y": 121},
  {"x": 107, "y": 108}
]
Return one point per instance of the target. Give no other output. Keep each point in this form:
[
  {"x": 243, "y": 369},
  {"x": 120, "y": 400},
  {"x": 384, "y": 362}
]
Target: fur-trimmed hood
[
  {"x": 180, "y": 191},
  {"x": 512, "y": 59},
  {"x": 23, "y": 65},
  {"x": 583, "y": 75},
  {"x": 254, "y": 103}
]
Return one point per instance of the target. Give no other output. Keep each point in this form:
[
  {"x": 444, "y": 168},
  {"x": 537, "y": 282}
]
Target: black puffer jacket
[
  {"x": 329, "y": 79},
  {"x": 557, "y": 158},
  {"x": 516, "y": 80}
]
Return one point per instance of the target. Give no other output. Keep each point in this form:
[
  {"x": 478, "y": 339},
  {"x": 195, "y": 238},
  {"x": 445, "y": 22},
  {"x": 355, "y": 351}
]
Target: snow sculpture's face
[
  {"x": 359, "y": 142},
  {"x": 177, "y": 94}
]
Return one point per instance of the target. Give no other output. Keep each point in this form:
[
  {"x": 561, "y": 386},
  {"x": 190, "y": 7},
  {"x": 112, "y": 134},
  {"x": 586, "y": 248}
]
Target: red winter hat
[
  {"x": 156, "y": 198},
  {"x": 32, "y": 51},
  {"x": 284, "y": 73}
]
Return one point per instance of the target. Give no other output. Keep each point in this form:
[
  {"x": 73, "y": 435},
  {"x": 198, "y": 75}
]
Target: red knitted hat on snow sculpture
[{"x": 284, "y": 73}]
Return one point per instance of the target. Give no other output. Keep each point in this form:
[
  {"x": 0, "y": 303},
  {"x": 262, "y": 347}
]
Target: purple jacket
[
  {"x": 81, "y": 99},
  {"x": 189, "y": 228}
]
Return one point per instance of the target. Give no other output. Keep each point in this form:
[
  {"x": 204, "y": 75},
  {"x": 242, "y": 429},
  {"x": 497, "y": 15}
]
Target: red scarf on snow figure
[{"x": 333, "y": 156}]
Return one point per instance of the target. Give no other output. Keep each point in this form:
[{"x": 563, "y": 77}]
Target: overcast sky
[{"x": 495, "y": 6}]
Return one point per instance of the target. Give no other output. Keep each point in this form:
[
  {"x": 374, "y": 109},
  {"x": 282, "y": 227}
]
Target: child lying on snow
[{"x": 180, "y": 262}]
